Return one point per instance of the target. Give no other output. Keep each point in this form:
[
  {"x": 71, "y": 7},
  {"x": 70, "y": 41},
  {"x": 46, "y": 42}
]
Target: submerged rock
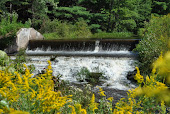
[{"x": 130, "y": 75}]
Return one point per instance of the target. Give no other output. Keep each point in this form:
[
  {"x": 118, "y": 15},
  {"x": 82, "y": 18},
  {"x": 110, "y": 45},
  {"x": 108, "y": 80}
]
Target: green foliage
[
  {"x": 100, "y": 15},
  {"x": 33, "y": 9},
  {"x": 4, "y": 59},
  {"x": 81, "y": 94},
  {"x": 39, "y": 10},
  {"x": 124, "y": 35},
  {"x": 81, "y": 30},
  {"x": 91, "y": 77},
  {"x": 21, "y": 59},
  {"x": 160, "y": 7},
  {"x": 84, "y": 72},
  {"x": 72, "y": 14},
  {"x": 94, "y": 5},
  {"x": 155, "y": 41},
  {"x": 59, "y": 30},
  {"x": 51, "y": 36},
  {"x": 9, "y": 25},
  {"x": 3, "y": 103},
  {"x": 125, "y": 15},
  {"x": 98, "y": 22},
  {"x": 8, "y": 28}
]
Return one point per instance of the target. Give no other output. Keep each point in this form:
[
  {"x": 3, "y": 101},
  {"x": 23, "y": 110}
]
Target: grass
[
  {"x": 100, "y": 35},
  {"x": 114, "y": 35}
]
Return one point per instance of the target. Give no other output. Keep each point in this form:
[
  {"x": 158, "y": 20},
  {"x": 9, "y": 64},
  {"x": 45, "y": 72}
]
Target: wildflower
[
  {"x": 80, "y": 110},
  {"x": 163, "y": 108},
  {"x": 154, "y": 69},
  {"x": 78, "y": 107},
  {"x": 73, "y": 109},
  {"x": 93, "y": 104},
  {"x": 138, "y": 77},
  {"x": 83, "y": 111},
  {"x": 101, "y": 93},
  {"x": 19, "y": 78},
  {"x": 110, "y": 99},
  {"x": 13, "y": 111},
  {"x": 1, "y": 111},
  {"x": 148, "y": 80}
]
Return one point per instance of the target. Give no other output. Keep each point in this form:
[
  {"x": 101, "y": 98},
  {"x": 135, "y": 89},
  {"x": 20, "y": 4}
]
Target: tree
[
  {"x": 27, "y": 8},
  {"x": 67, "y": 3},
  {"x": 160, "y": 7},
  {"x": 127, "y": 15}
]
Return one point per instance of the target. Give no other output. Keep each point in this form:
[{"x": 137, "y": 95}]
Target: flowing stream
[
  {"x": 113, "y": 69},
  {"x": 113, "y": 58}
]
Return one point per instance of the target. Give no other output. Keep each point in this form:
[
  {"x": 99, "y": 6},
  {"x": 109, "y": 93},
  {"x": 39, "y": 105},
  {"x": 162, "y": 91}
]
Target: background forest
[{"x": 97, "y": 15}]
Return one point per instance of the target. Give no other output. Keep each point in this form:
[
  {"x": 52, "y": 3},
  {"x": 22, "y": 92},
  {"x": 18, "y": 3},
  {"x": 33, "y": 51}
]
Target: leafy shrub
[
  {"x": 145, "y": 98},
  {"x": 4, "y": 59},
  {"x": 155, "y": 41},
  {"x": 8, "y": 28},
  {"x": 81, "y": 30},
  {"x": 91, "y": 77},
  {"x": 113, "y": 35},
  {"x": 59, "y": 30},
  {"x": 95, "y": 28},
  {"x": 9, "y": 25},
  {"x": 14, "y": 65},
  {"x": 51, "y": 36}
]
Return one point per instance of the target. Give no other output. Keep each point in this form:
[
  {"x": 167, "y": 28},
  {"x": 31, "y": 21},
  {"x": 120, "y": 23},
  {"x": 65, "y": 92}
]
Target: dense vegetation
[
  {"x": 20, "y": 92},
  {"x": 156, "y": 36},
  {"x": 148, "y": 19},
  {"x": 97, "y": 15}
]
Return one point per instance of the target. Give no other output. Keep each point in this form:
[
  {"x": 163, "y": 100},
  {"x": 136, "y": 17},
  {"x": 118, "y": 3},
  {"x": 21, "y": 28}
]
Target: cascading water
[
  {"x": 114, "y": 69},
  {"x": 113, "y": 58}
]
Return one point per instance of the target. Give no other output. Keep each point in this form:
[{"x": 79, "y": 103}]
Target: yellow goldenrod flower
[
  {"x": 138, "y": 77},
  {"x": 110, "y": 99},
  {"x": 93, "y": 104},
  {"x": 163, "y": 107},
  {"x": 101, "y": 92},
  {"x": 40, "y": 90},
  {"x": 73, "y": 109},
  {"x": 83, "y": 111},
  {"x": 1, "y": 111},
  {"x": 18, "y": 112},
  {"x": 78, "y": 107}
]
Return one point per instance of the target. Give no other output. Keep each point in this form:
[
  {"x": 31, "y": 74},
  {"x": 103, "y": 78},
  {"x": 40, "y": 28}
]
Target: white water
[
  {"x": 113, "y": 60},
  {"x": 115, "y": 69}
]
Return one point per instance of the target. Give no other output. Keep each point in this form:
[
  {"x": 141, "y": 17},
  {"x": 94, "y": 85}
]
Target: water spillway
[
  {"x": 113, "y": 58},
  {"x": 106, "y": 48}
]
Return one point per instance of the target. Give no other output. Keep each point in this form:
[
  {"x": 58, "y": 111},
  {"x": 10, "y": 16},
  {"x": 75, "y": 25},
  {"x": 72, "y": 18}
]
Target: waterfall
[{"x": 113, "y": 58}]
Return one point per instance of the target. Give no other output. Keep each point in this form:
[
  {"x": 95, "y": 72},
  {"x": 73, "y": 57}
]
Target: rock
[
  {"x": 26, "y": 34},
  {"x": 130, "y": 75},
  {"x": 22, "y": 39}
]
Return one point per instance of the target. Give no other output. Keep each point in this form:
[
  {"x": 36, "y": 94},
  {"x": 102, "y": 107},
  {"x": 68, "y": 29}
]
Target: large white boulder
[{"x": 26, "y": 34}]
